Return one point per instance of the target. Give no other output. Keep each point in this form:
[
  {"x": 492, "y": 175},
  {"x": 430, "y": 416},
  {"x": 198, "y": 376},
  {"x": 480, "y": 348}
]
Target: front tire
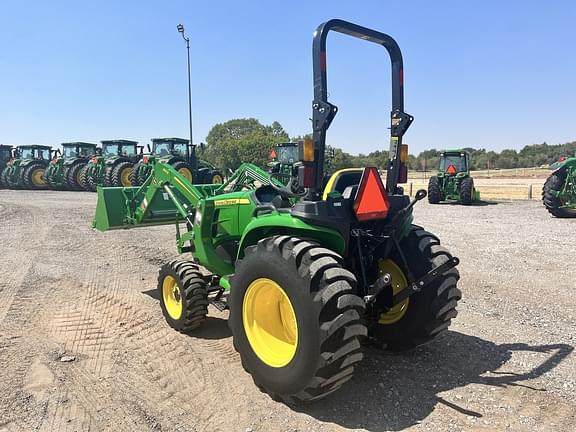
[
  {"x": 427, "y": 313},
  {"x": 553, "y": 185},
  {"x": 434, "y": 192},
  {"x": 294, "y": 318},
  {"x": 183, "y": 295}
]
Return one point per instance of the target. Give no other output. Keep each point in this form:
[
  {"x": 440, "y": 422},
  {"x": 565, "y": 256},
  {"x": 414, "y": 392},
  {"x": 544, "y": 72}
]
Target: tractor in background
[
  {"x": 181, "y": 155},
  {"x": 26, "y": 170},
  {"x": 113, "y": 165},
  {"x": 5, "y": 157},
  {"x": 64, "y": 171},
  {"x": 285, "y": 163},
  {"x": 306, "y": 279},
  {"x": 453, "y": 180},
  {"x": 559, "y": 190}
]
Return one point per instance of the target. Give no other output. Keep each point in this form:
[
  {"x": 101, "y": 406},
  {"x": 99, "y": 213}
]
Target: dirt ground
[{"x": 507, "y": 362}]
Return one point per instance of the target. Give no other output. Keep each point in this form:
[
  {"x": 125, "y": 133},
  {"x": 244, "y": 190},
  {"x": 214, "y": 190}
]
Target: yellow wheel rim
[
  {"x": 78, "y": 176},
  {"x": 399, "y": 282},
  {"x": 270, "y": 323},
  {"x": 186, "y": 173},
  {"x": 38, "y": 177},
  {"x": 172, "y": 297},
  {"x": 217, "y": 179},
  {"x": 125, "y": 177}
]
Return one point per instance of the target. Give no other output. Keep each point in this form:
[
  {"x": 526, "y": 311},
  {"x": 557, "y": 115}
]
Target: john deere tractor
[
  {"x": 113, "y": 166},
  {"x": 285, "y": 162},
  {"x": 453, "y": 181},
  {"x": 5, "y": 157},
  {"x": 26, "y": 169},
  {"x": 64, "y": 172},
  {"x": 559, "y": 191},
  {"x": 180, "y": 154},
  {"x": 306, "y": 279},
  {"x": 283, "y": 157}
]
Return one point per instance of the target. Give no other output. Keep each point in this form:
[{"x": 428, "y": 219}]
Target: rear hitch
[
  {"x": 382, "y": 282},
  {"x": 429, "y": 277}
]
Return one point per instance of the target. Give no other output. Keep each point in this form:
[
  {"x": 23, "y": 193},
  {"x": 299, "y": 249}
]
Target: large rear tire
[
  {"x": 3, "y": 179},
  {"x": 183, "y": 295},
  {"x": 427, "y": 313},
  {"x": 73, "y": 176},
  {"x": 185, "y": 169},
  {"x": 84, "y": 177},
  {"x": 214, "y": 177},
  {"x": 139, "y": 174},
  {"x": 554, "y": 184},
  {"x": 434, "y": 192},
  {"x": 32, "y": 176},
  {"x": 467, "y": 191},
  {"x": 121, "y": 174},
  {"x": 294, "y": 318}
]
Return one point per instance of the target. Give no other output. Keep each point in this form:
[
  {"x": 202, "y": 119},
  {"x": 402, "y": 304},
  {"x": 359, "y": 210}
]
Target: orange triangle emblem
[
  {"x": 371, "y": 200},
  {"x": 273, "y": 154},
  {"x": 451, "y": 170}
]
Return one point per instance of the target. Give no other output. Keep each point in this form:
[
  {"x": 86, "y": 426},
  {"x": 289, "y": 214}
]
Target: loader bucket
[{"x": 112, "y": 209}]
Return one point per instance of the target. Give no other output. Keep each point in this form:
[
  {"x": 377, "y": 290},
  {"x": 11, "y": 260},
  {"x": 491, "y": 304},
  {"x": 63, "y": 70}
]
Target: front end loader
[
  {"x": 559, "y": 191},
  {"x": 306, "y": 279},
  {"x": 113, "y": 165},
  {"x": 453, "y": 181},
  {"x": 181, "y": 155},
  {"x": 26, "y": 170},
  {"x": 65, "y": 170}
]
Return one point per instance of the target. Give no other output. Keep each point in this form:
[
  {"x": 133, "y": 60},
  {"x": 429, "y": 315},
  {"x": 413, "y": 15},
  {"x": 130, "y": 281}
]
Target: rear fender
[
  {"x": 569, "y": 163},
  {"x": 280, "y": 223}
]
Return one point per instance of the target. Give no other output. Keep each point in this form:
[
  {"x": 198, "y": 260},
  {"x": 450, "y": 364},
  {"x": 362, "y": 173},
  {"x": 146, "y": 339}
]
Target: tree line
[{"x": 231, "y": 143}]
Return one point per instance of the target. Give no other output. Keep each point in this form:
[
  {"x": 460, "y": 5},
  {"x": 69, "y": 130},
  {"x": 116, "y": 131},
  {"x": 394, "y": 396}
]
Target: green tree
[{"x": 236, "y": 141}]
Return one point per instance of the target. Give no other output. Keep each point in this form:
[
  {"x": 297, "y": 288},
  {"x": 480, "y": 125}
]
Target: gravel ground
[{"x": 507, "y": 362}]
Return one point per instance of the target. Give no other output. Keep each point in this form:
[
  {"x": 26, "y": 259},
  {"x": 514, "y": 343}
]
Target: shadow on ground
[{"x": 393, "y": 392}]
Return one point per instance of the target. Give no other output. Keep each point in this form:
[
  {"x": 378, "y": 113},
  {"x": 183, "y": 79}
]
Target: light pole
[{"x": 180, "y": 28}]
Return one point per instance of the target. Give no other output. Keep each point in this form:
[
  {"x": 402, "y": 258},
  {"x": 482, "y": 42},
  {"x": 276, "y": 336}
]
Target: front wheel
[
  {"x": 426, "y": 314},
  {"x": 294, "y": 318},
  {"x": 184, "y": 169}
]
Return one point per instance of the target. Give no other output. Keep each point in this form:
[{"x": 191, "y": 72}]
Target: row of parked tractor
[{"x": 85, "y": 166}]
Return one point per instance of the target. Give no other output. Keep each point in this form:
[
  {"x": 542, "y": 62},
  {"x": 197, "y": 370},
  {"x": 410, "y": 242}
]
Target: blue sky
[{"x": 489, "y": 74}]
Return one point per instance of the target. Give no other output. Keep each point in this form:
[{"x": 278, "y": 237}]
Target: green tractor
[
  {"x": 181, "y": 155},
  {"x": 26, "y": 170},
  {"x": 306, "y": 279},
  {"x": 285, "y": 162},
  {"x": 5, "y": 157},
  {"x": 559, "y": 191},
  {"x": 113, "y": 166},
  {"x": 283, "y": 157},
  {"x": 64, "y": 171},
  {"x": 453, "y": 181}
]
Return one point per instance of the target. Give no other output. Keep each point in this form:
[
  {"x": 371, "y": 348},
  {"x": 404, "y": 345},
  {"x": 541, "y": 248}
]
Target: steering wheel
[{"x": 291, "y": 190}]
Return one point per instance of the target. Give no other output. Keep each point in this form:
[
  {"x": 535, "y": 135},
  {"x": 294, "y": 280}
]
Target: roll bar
[{"x": 323, "y": 112}]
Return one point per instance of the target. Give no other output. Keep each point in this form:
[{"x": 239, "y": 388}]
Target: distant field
[{"x": 510, "y": 184}]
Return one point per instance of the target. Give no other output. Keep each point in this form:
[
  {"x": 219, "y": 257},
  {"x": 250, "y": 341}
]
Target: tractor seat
[
  {"x": 267, "y": 195},
  {"x": 342, "y": 179}
]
